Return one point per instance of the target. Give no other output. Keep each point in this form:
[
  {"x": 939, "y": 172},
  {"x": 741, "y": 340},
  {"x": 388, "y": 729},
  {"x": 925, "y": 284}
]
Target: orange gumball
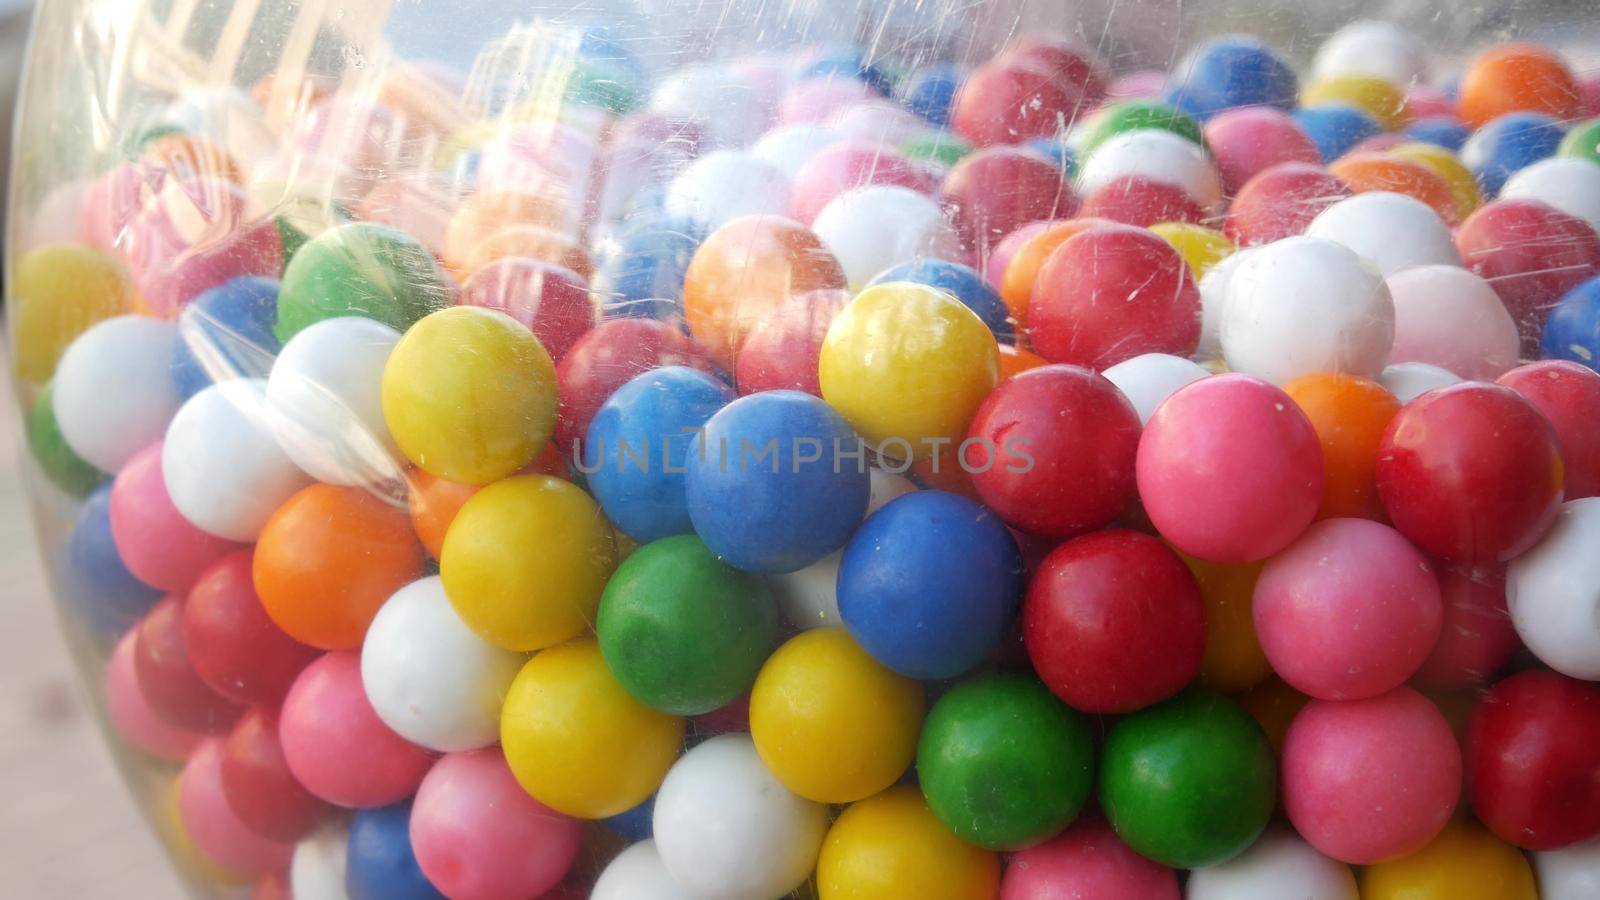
[
  {"x": 328, "y": 558},
  {"x": 433, "y": 503},
  {"x": 1015, "y": 360},
  {"x": 1365, "y": 172},
  {"x": 1518, "y": 77},
  {"x": 744, "y": 272},
  {"x": 529, "y": 242},
  {"x": 1349, "y": 415},
  {"x": 1233, "y": 660},
  {"x": 1274, "y": 705},
  {"x": 1016, "y": 285},
  {"x": 487, "y": 212}
]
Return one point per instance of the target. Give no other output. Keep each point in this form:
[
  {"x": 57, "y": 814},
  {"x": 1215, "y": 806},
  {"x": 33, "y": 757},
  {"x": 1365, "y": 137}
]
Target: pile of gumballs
[{"x": 806, "y": 473}]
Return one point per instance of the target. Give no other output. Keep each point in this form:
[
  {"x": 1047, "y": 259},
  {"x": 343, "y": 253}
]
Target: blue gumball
[
  {"x": 634, "y": 824},
  {"x": 1509, "y": 143},
  {"x": 226, "y": 333},
  {"x": 929, "y": 91},
  {"x": 1336, "y": 127},
  {"x": 647, "y": 263},
  {"x": 1444, "y": 131},
  {"x": 1230, "y": 72},
  {"x": 930, "y": 584},
  {"x": 777, "y": 480},
  {"x": 846, "y": 61},
  {"x": 638, "y": 444},
  {"x": 1056, "y": 151},
  {"x": 380, "y": 864},
  {"x": 971, "y": 288},
  {"x": 94, "y": 581},
  {"x": 1573, "y": 329}
]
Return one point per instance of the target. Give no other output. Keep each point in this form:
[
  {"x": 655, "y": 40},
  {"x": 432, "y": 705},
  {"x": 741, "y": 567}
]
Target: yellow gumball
[
  {"x": 1465, "y": 862},
  {"x": 1200, "y": 247},
  {"x": 907, "y": 365},
  {"x": 470, "y": 395},
  {"x": 525, "y": 560},
  {"x": 57, "y": 292},
  {"x": 831, "y": 722},
  {"x": 1234, "y": 661},
  {"x": 891, "y": 847},
  {"x": 1368, "y": 93},
  {"x": 1463, "y": 186},
  {"x": 577, "y": 741}
]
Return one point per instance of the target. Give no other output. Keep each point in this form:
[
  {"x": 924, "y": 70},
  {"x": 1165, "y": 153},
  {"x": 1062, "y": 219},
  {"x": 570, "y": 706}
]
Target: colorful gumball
[
  {"x": 1570, "y": 185},
  {"x": 549, "y": 300},
  {"x": 782, "y": 352},
  {"x": 360, "y": 269},
  {"x": 1409, "y": 380},
  {"x": 158, "y": 545},
  {"x": 963, "y": 281},
  {"x": 234, "y": 647},
  {"x": 1201, "y": 247},
  {"x": 167, "y": 680},
  {"x": 1233, "y": 660},
  {"x": 1478, "y": 637},
  {"x": 95, "y": 582},
  {"x": 637, "y": 872},
  {"x": 1280, "y": 201},
  {"x": 317, "y": 871},
  {"x": 1517, "y": 77},
  {"x": 1379, "y": 98},
  {"x": 64, "y": 468},
  {"x": 1444, "y": 163},
  {"x": 1349, "y": 415},
  {"x": 1071, "y": 61},
  {"x": 1394, "y": 231},
  {"x": 1009, "y": 100},
  {"x": 1371, "y": 47},
  {"x": 1136, "y": 115},
  {"x": 1375, "y": 170},
  {"x": 260, "y": 788},
  {"x": 1213, "y": 289},
  {"x": 211, "y": 825},
  {"x": 1504, "y": 146},
  {"x": 726, "y": 185},
  {"x": 226, "y": 333},
  {"x": 1277, "y": 865},
  {"x": 1229, "y": 72},
  {"x": 994, "y": 191},
  {"x": 791, "y": 147},
  {"x": 57, "y": 292},
  {"x": 1550, "y": 593},
  {"x": 1337, "y": 127},
  {"x": 1582, "y": 141},
  {"x": 113, "y": 392},
  {"x": 379, "y": 859},
  {"x": 1532, "y": 253},
  {"x": 1465, "y": 862},
  {"x": 1571, "y": 873},
  {"x": 131, "y": 715},
  {"x": 1449, "y": 317},
  {"x": 846, "y": 165},
  {"x": 1246, "y": 141},
  {"x": 1087, "y": 860},
  {"x": 1274, "y": 705},
  {"x": 1142, "y": 201},
  {"x": 326, "y": 394},
  {"x": 872, "y": 228},
  {"x": 1157, "y": 155},
  {"x": 605, "y": 359},
  {"x": 1569, "y": 397},
  {"x": 1150, "y": 379},
  {"x": 892, "y": 846},
  {"x": 1572, "y": 331}
]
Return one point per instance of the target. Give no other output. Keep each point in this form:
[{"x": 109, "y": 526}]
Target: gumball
[
  {"x": 633, "y": 824},
  {"x": 725, "y": 185},
  {"x": 1110, "y": 294},
  {"x": 317, "y": 871},
  {"x": 1477, "y": 638},
  {"x": 1370, "y": 47},
  {"x": 158, "y": 545},
  {"x": 646, "y": 265},
  {"x": 1229, "y": 72},
  {"x": 1011, "y": 99},
  {"x": 1549, "y": 592},
  {"x": 1372, "y": 94},
  {"x": 1443, "y": 450},
  {"x": 232, "y": 644},
  {"x": 992, "y": 192},
  {"x": 113, "y": 392},
  {"x": 812, "y": 100},
  {"x": 1233, "y": 661},
  {"x": 1465, "y": 862},
  {"x": 1409, "y": 380},
  {"x": 328, "y": 558},
  {"x": 1570, "y": 185},
  {"x": 1394, "y": 231},
  {"x": 1213, "y": 289},
  {"x": 1336, "y": 127},
  {"x": 1201, "y": 247},
  {"x": 1190, "y": 782},
  {"x": 1532, "y": 750},
  {"x": 1306, "y": 305},
  {"x": 335, "y": 744},
  {"x": 872, "y": 228},
  {"x": 260, "y": 789},
  {"x": 1229, "y": 469},
  {"x": 1137, "y": 115},
  {"x": 1280, "y": 201},
  {"x": 1569, "y": 397},
  {"x": 1158, "y": 155},
  {"x": 964, "y": 282},
  {"x": 1093, "y": 633},
  {"x": 1277, "y": 865},
  {"x": 1349, "y": 415},
  {"x": 1514, "y": 77},
  {"x": 57, "y": 292},
  {"x": 637, "y": 873},
  {"x": 847, "y": 165},
  {"x": 1571, "y": 873},
  {"x": 1367, "y": 781},
  {"x": 64, "y": 468},
  {"x": 211, "y": 825},
  {"x": 1249, "y": 140},
  {"x": 326, "y": 395},
  {"x": 1350, "y": 610},
  {"x": 1582, "y": 141},
  {"x": 132, "y": 719},
  {"x": 1367, "y": 171},
  {"x": 938, "y": 147},
  {"x": 522, "y": 600},
  {"x": 95, "y": 582},
  {"x": 1508, "y": 144},
  {"x": 1004, "y": 723},
  {"x": 1150, "y": 379},
  {"x": 226, "y": 333},
  {"x": 1021, "y": 269},
  {"x": 550, "y": 301},
  {"x": 1442, "y": 162},
  {"x": 1449, "y": 317},
  {"x": 193, "y": 235},
  {"x": 891, "y": 845},
  {"x": 791, "y": 147},
  {"x": 782, "y": 352},
  {"x": 832, "y": 723},
  {"x": 605, "y": 359},
  {"x": 575, "y": 739},
  {"x": 682, "y": 631},
  {"x": 1142, "y": 201},
  {"x": 168, "y": 681},
  {"x": 1068, "y": 60},
  {"x": 359, "y": 269},
  {"x": 380, "y": 861},
  {"x": 1086, "y": 862},
  {"x": 1051, "y": 451},
  {"x": 477, "y": 835},
  {"x": 1443, "y": 130},
  {"x": 1532, "y": 254},
  {"x": 929, "y": 91}
]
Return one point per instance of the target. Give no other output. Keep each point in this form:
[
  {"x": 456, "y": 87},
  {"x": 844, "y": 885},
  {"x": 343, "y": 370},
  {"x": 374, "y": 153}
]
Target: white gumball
[
  {"x": 1394, "y": 231},
  {"x": 809, "y": 598},
  {"x": 790, "y": 147},
  {"x": 1451, "y": 318},
  {"x": 1571, "y": 873},
  {"x": 879, "y": 121},
  {"x": 326, "y": 391},
  {"x": 637, "y": 874},
  {"x": 429, "y": 677},
  {"x": 728, "y": 830},
  {"x": 1553, "y": 592},
  {"x": 113, "y": 392},
  {"x": 223, "y": 467},
  {"x": 1305, "y": 305},
  {"x": 316, "y": 871},
  {"x": 1369, "y": 47},
  {"x": 1569, "y": 183},
  {"x": 1150, "y": 379},
  {"x": 870, "y": 229},
  {"x": 722, "y": 186},
  {"x": 1156, "y": 154},
  {"x": 1409, "y": 380},
  {"x": 1277, "y": 867},
  {"x": 1213, "y": 288},
  {"x": 728, "y": 112}
]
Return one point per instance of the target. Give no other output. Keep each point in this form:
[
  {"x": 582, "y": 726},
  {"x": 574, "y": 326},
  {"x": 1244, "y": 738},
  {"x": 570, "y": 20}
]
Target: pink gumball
[
  {"x": 157, "y": 544},
  {"x": 553, "y": 302},
  {"x": 110, "y": 204},
  {"x": 1230, "y": 469},
  {"x": 1144, "y": 84},
  {"x": 817, "y": 99},
  {"x": 1248, "y": 140},
  {"x": 1086, "y": 862},
  {"x": 479, "y": 836},
  {"x": 1477, "y": 638},
  {"x": 1365, "y": 781},
  {"x": 196, "y": 234},
  {"x": 1424, "y": 101},
  {"x": 1448, "y": 317},
  {"x": 131, "y": 715},
  {"x": 1000, "y": 256},
  {"x": 213, "y": 827},
  {"x": 337, "y": 746},
  {"x": 1350, "y": 610},
  {"x": 851, "y": 164}
]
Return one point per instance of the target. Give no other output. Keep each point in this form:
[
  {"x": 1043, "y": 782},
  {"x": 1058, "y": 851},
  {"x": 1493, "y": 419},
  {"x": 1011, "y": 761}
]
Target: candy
[
  {"x": 1087, "y": 860},
  {"x": 1229, "y": 72},
  {"x": 1371, "y": 94},
  {"x": 790, "y": 147},
  {"x": 1451, "y": 318},
  {"x": 1508, "y": 144},
  {"x": 57, "y": 292},
  {"x": 211, "y": 824},
  {"x": 1201, "y": 247},
  {"x": 1515, "y": 77},
  {"x": 930, "y": 90},
  {"x": 605, "y": 359},
  {"x": 1336, "y": 127},
  {"x": 380, "y": 860},
  {"x": 1372, "y": 47},
  {"x": 1349, "y": 415},
  {"x": 325, "y": 394},
  {"x": 726, "y": 185},
  {"x": 317, "y": 871},
  {"x": 547, "y": 299},
  {"x": 872, "y": 228},
  {"x": 1247, "y": 141},
  {"x": 1582, "y": 141},
  {"x": 963, "y": 281},
  {"x": 1158, "y": 155},
  {"x": 1008, "y": 100},
  {"x": 168, "y": 681},
  {"x": 1444, "y": 130},
  {"x": 1410, "y": 380},
  {"x": 637, "y": 873},
  {"x": 64, "y": 468},
  {"x": 1570, "y": 185},
  {"x": 1532, "y": 254},
  {"x": 1136, "y": 115},
  {"x": 1394, "y": 231},
  {"x": 845, "y": 165},
  {"x": 891, "y": 845},
  {"x": 995, "y": 190},
  {"x": 95, "y": 581},
  {"x": 260, "y": 788},
  {"x": 130, "y": 714},
  {"x": 359, "y": 269},
  {"x": 1477, "y": 638},
  {"x": 1549, "y": 592},
  {"x": 232, "y": 644},
  {"x": 1465, "y": 862},
  {"x": 1277, "y": 863},
  {"x": 226, "y": 333},
  {"x": 1568, "y": 395},
  {"x": 782, "y": 352},
  {"x": 159, "y": 546},
  {"x": 1570, "y": 873},
  {"x": 1280, "y": 201},
  {"x": 1213, "y": 289},
  {"x": 113, "y": 393}
]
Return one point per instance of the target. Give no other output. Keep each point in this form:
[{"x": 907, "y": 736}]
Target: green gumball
[
  {"x": 65, "y": 469},
  {"x": 1138, "y": 115},
  {"x": 1190, "y": 781},
  {"x": 1003, "y": 763},
  {"x": 360, "y": 269},
  {"x": 1583, "y": 141},
  {"x": 682, "y": 631}
]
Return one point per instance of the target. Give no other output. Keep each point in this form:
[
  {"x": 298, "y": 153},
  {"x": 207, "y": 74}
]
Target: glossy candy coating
[{"x": 891, "y": 846}]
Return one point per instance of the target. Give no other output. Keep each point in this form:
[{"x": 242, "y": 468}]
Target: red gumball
[
  {"x": 1009, "y": 100},
  {"x": 1079, "y": 435},
  {"x": 995, "y": 191},
  {"x": 1070, "y": 62},
  {"x": 781, "y": 352},
  {"x": 233, "y": 645},
  {"x": 1470, "y": 473},
  {"x": 1114, "y": 622},
  {"x": 1533, "y": 760},
  {"x": 1477, "y": 638},
  {"x": 264, "y": 794},
  {"x": 1569, "y": 396},
  {"x": 1280, "y": 201},
  {"x": 1251, "y": 139},
  {"x": 1531, "y": 253},
  {"x": 850, "y": 164},
  {"x": 553, "y": 302},
  {"x": 171, "y": 687},
  {"x": 1136, "y": 200},
  {"x": 1112, "y": 293},
  {"x": 606, "y": 358}
]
